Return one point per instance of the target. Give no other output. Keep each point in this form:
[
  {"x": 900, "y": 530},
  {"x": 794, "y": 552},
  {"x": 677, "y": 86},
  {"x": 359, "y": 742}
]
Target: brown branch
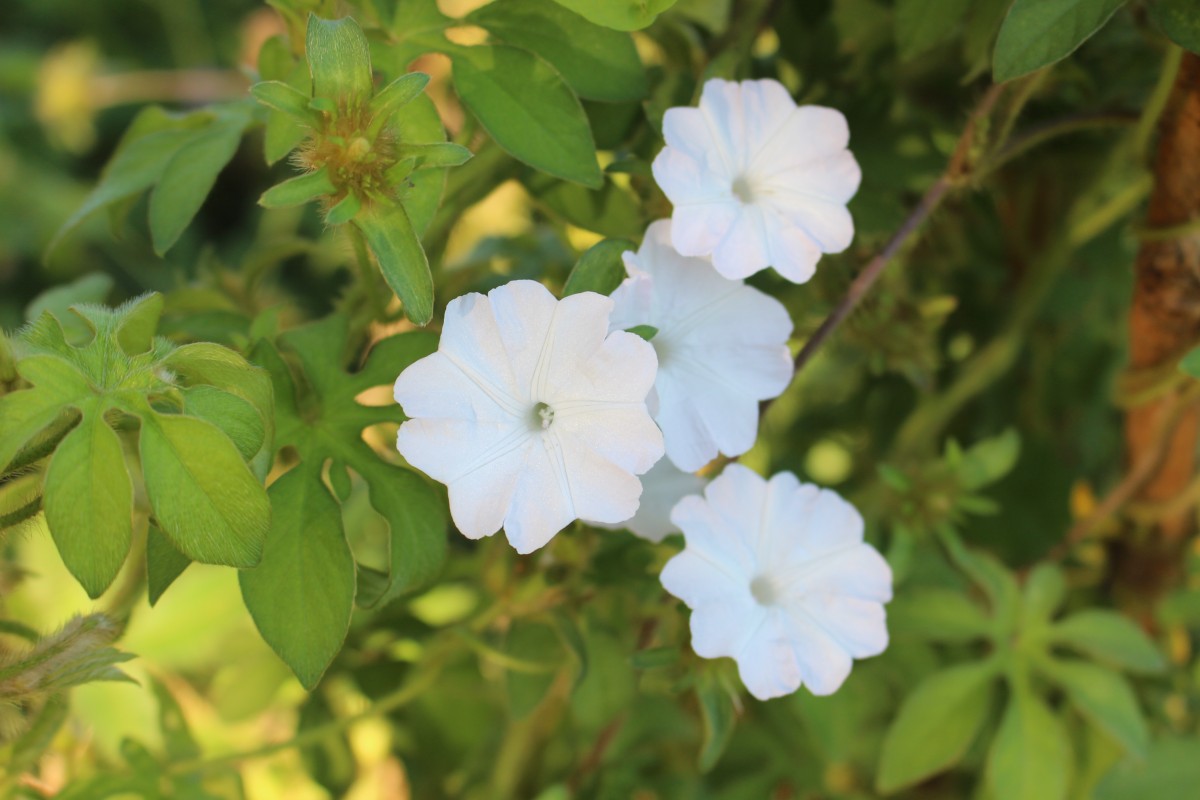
[{"x": 958, "y": 169}]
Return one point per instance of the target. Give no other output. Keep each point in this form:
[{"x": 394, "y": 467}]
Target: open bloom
[
  {"x": 778, "y": 577},
  {"x": 756, "y": 180},
  {"x": 722, "y": 347},
  {"x": 662, "y": 487},
  {"x": 531, "y": 413}
]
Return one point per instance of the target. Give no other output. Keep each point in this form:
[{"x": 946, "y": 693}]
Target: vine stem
[
  {"x": 957, "y": 171},
  {"x": 19, "y": 515}
]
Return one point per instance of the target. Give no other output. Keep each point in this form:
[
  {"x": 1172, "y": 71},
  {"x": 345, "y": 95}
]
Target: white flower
[
  {"x": 757, "y": 181},
  {"x": 531, "y": 413},
  {"x": 777, "y": 576},
  {"x": 722, "y": 347},
  {"x": 662, "y": 487}
]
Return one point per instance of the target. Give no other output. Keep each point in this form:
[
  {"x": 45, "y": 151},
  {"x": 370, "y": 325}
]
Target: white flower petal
[
  {"x": 721, "y": 626},
  {"x": 542, "y": 504},
  {"x": 756, "y": 181},
  {"x": 767, "y": 662},
  {"x": 662, "y": 487},
  {"x": 531, "y": 413},
  {"x": 722, "y": 349},
  {"x": 525, "y": 315},
  {"x": 816, "y": 589},
  {"x": 823, "y": 131},
  {"x": 824, "y": 664}
]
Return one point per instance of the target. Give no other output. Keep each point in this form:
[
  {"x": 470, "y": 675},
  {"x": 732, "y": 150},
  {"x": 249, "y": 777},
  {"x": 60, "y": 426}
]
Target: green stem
[
  {"x": 1144, "y": 135},
  {"x": 368, "y": 275},
  {"x": 410, "y": 691},
  {"x": 25, "y": 512},
  {"x": 922, "y": 429}
]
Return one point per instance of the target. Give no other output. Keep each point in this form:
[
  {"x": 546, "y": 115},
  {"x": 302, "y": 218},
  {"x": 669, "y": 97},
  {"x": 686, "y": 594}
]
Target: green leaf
[
  {"x": 204, "y": 497},
  {"x": 523, "y": 103},
  {"x": 1030, "y": 758},
  {"x": 286, "y": 99},
  {"x": 622, "y": 15},
  {"x": 149, "y": 144},
  {"x": 1039, "y": 32},
  {"x": 299, "y": 190},
  {"x": 396, "y": 95},
  {"x": 936, "y": 725},
  {"x": 600, "y": 269},
  {"x": 1170, "y": 766},
  {"x": 923, "y": 24},
  {"x": 937, "y": 615},
  {"x": 719, "y": 717},
  {"x": 1105, "y": 698},
  {"x": 401, "y": 258},
  {"x": 188, "y": 178},
  {"x": 1190, "y": 363},
  {"x": 344, "y": 211},
  {"x": 1109, "y": 637},
  {"x": 138, "y": 323},
  {"x": 89, "y": 502},
  {"x": 421, "y": 193},
  {"x": 1179, "y": 20},
  {"x": 989, "y": 460},
  {"x": 163, "y": 563},
  {"x": 439, "y": 154},
  {"x": 331, "y": 428},
  {"x": 611, "y": 211},
  {"x": 26, "y": 414},
  {"x": 235, "y": 416},
  {"x": 301, "y": 594},
  {"x": 1045, "y": 589},
  {"x": 597, "y": 62},
  {"x": 91, "y": 288},
  {"x": 339, "y": 60}
]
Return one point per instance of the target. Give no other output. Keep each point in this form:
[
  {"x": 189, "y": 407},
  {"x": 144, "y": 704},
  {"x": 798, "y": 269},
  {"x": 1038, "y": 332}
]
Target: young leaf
[
  {"x": 622, "y": 15},
  {"x": 600, "y": 269},
  {"x": 716, "y": 709},
  {"x": 1107, "y": 636},
  {"x": 204, "y": 497},
  {"x": 598, "y": 63},
  {"x": 1044, "y": 591},
  {"x": 281, "y": 97},
  {"x": 1031, "y": 756},
  {"x": 936, "y": 725},
  {"x": 301, "y": 594},
  {"x": 1039, "y": 32},
  {"x": 526, "y": 107},
  {"x": 1105, "y": 698},
  {"x": 401, "y": 258},
  {"x": 937, "y": 615},
  {"x": 339, "y": 60},
  {"x": 138, "y": 323},
  {"x": 298, "y": 191},
  {"x": 163, "y": 563},
  {"x": 989, "y": 460},
  {"x": 396, "y": 95},
  {"x": 89, "y": 502},
  {"x": 235, "y": 416}
]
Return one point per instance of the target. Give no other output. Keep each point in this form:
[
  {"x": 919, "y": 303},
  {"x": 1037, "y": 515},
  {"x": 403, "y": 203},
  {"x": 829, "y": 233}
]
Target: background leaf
[{"x": 1039, "y": 32}]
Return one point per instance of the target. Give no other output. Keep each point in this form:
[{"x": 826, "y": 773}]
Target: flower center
[
  {"x": 542, "y": 417},
  {"x": 742, "y": 189},
  {"x": 765, "y": 590}
]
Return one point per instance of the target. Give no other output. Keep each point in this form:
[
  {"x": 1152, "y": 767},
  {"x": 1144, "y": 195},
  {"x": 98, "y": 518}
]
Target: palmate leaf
[
  {"x": 205, "y": 497},
  {"x": 320, "y": 419}
]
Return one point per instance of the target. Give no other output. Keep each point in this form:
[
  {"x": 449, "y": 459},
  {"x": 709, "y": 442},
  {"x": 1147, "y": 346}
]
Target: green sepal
[
  {"x": 432, "y": 156},
  {"x": 647, "y": 332},
  {"x": 281, "y": 97},
  {"x": 344, "y": 210},
  {"x": 401, "y": 258},
  {"x": 339, "y": 60},
  {"x": 299, "y": 190},
  {"x": 395, "y": 95}
]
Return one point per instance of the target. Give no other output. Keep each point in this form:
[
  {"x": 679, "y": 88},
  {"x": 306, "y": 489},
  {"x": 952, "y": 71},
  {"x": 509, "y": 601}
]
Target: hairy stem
[{"x": 19, "y": 515}]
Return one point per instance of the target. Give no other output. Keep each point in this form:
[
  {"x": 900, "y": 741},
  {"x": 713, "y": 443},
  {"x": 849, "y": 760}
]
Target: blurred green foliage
[{"x": 969, "y": 407}]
